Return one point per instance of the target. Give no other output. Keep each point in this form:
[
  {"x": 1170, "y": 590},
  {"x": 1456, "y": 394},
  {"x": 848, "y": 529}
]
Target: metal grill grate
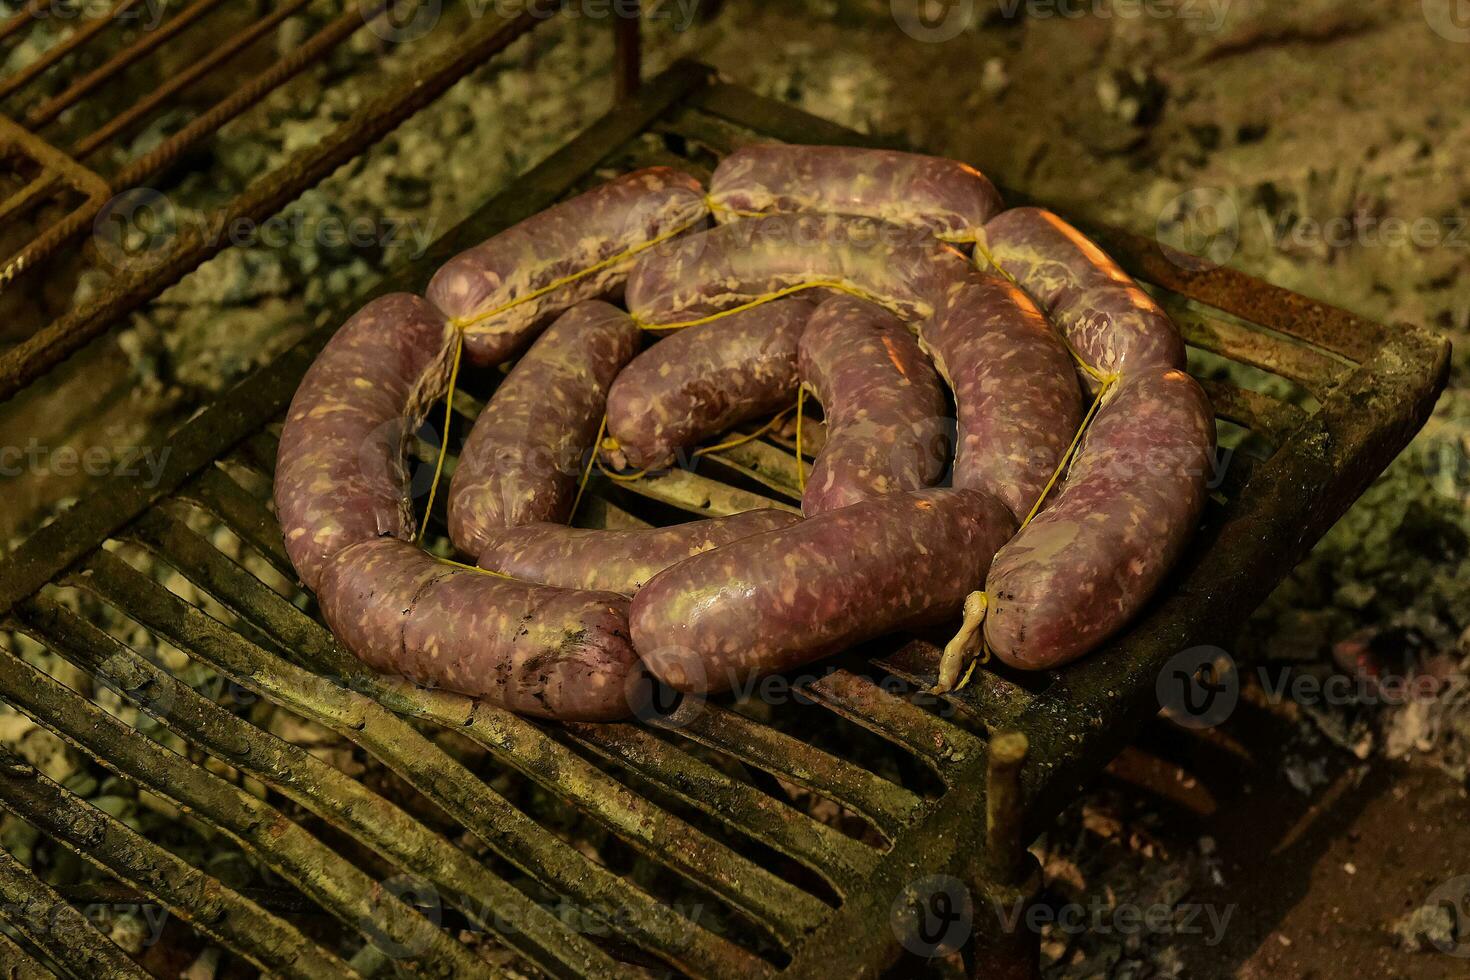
[
  {"x": 687, "y": 837},
  {"x": 64, "y": 132}
]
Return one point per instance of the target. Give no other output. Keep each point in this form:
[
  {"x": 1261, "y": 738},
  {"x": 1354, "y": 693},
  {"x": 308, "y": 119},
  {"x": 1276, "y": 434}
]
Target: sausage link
[
  {"x": 701, "y": 381},
  {"x": 1085, "y": 566},
  {"x": 1015, "y": 389},
  {"x": 712, "y": 271},
  {"x": 535, "y": 650},
  {"x": 340, "y": 476},
  {"x": 527, "y": 449},
  {"x": 615, "y": 561},
  {"x": 784, "y": 598},
  {"x": 948, "y": 199},
  {"x": 1111, "y": 323},
  {"x": 504, "y": 289},
  {"x": 884, "y": 407}
]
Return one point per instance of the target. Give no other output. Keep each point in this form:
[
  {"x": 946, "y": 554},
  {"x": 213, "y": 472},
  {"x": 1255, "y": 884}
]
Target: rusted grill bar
[
  {"x": 217, "y": 911},
  {"x": 318, "y": 872},
  {"x": 48, "y": 923},
  {"x": 60, "y": 171},
  {"x": 45, "y": 111},
  {"x": 707, "y": 794},
  {"x": 314, "y": 784}
]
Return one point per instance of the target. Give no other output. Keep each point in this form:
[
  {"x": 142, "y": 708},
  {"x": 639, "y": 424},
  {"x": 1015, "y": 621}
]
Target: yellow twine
[
  {"x": 761, "y": 300},
  {"x": 748, "y": 437},
  {"x": 444, "y": 439},
  {"x": 587, "y": 470},
  {"x": 472, "y": 568},
  {"x": 1071, "y": 450},
  {"x": 464, "y": 322}
]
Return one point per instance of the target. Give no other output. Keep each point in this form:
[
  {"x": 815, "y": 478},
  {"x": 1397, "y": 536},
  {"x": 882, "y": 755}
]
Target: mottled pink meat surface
[
  {"x": 1014, "y": 385},
  {"x": 1087, "y": 564},
  {"x": 1111, "y": 323},
  {"x": 526, "y": 453},
  {"x": 505, "y": 289},
  {"x": 948, "y": 199},
  {"x": 700, "y": 381},
  {"x": 536, "y": 650},
  {"x": 885, "y": 411},
  {"x": 340, "y": 476},
  {"x": 903, "y": 269},
  {"x": 615, "y": 561},
  {"x": 778, "y": 600}
]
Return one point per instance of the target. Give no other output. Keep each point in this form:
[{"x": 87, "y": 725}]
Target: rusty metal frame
[
  {"x": 1008, "y": 756},
  {"x": 129, "y": 289}
]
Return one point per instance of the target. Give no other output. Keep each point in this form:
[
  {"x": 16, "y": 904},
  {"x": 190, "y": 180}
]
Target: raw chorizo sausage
[
  {"x": 1015, "y": 389},
  {"x": 710, "y": 272},
  {"x": 502, "y": 290},
  {"x": 615, "y": 561},
  {"x": 536, "y": 650},
  {"x": 1085, "y": 566},
  {"x": 784, "y": 598},
  {"x": 701, "y": 381},
  {"x": 885, "y": 410},
  {"x": 529, "y": 446},
  {"x": 340, "y": 476},
  {"x": 1112, "y": 324},
  {"x": 948, "y": 199}
]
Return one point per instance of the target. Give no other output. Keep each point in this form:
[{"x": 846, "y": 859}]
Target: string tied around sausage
[
  {"x": 465, "y": 322},
  {"x": 761, "y": 300},
  {"x": 967, "y": 649},
  {"x": 964, "y": 650},
  {"x": 610, "y": 444}
]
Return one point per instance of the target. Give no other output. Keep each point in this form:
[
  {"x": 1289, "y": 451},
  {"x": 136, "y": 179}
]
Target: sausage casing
[
  {"x": 784, "y": 598},
  {"x": 1087, "y": 564},
  {"x": 505, "y": 289},
  {"x": 1015, "y": 389},
  {"x": 536, "y": 650},
  {"x": 340, "y": 476},
  {"x": 615, "y": 561},
  {"x": 527, "y": 450},
  {"x": 885, "y": 410},
  {"x": 1111, "y": 323},
  {"x": 711, "y": 271},
  {"x": 948, "y": 199},
  {"x": 702, "y": 380}
]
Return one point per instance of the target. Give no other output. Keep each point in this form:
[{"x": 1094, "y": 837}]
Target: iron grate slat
[
  {"x": 841, "y": 860},
  {"x": 888, "y": 806},
  {"x": 333, "y": 697},
  {"x": 319, "y": 787},
  {"x": 50, "y": 924},
  {"x": 19, "y": 964},
  {"x": 218, "y": 911},
  {"x": 335, "y": 884},
  {"x": 107, "y": 843}
]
